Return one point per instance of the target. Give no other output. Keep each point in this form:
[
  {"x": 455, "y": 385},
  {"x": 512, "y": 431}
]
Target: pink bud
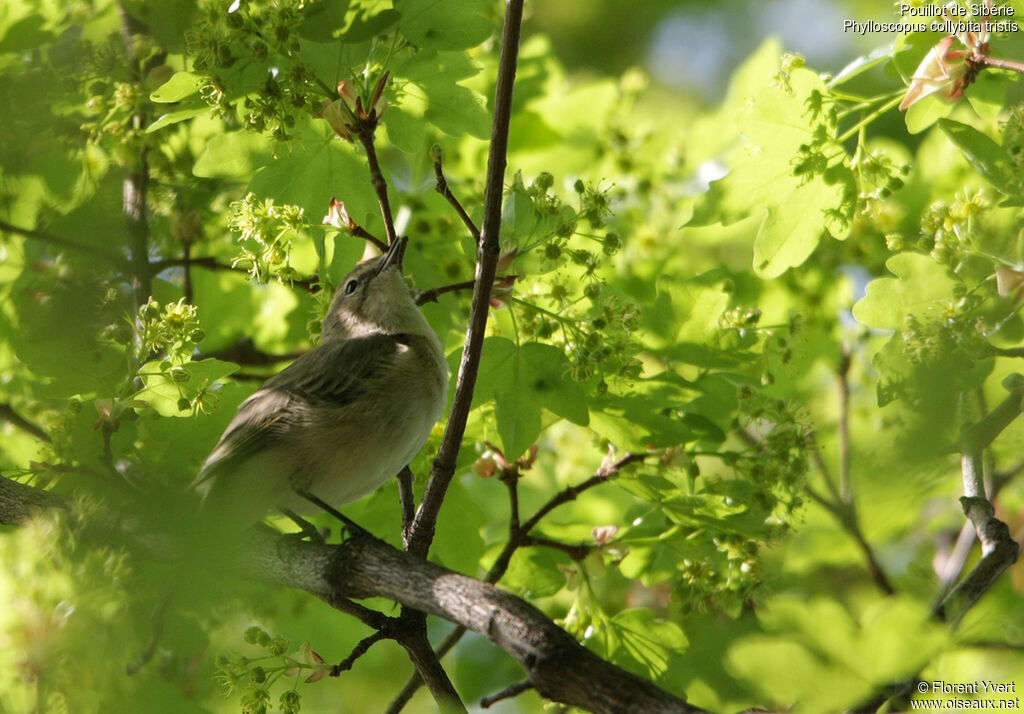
[
  {"x": 603, "y": 534},
  {"x": 940, "y": 71},
  {"x": 338, "y": 217},
  {"x": 339, "y": 115}
]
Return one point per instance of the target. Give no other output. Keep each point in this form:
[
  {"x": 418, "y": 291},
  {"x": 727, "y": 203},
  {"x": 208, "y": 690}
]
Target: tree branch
[
  {"x": 847, "y": 520},
  {"x": 486, "y": 268},
  {"x": 8, "y": 414},
  {"x": 442, "y": 188},
  {"x": 365, "y": 133},
  {"x": 427, "y": 664},
  {"x": 519, "y": 536},
  {"x": 60, "y": 242},
  {"x": 559, "y": 667},
  {"x": 210, "y": 263},
  {"x": 245, "y": 352},
  {"x": 843, "y": 426},
  {"x": 422, "y": 297},
  {"x": 19, "y": 502},
  {"x": 508, "y": 692}
]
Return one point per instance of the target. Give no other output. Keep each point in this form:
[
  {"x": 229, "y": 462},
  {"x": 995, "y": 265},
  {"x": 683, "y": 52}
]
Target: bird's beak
[{"x": 394, "y": 255}]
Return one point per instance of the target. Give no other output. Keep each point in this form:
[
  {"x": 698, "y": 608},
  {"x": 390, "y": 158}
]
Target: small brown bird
[{"x": 342, "y": 419}]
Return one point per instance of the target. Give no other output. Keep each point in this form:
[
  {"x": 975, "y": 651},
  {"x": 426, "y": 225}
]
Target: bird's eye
[{"x": 350, "y": 286}]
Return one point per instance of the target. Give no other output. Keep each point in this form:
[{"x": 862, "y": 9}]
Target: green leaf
[
  {"x": 637, "y": 640},
  {"x": 452, "y": 107},
  {"x": 987, "y": 95},
  {"x": 179, "y": 86},
  {"x": 925, "y": 112},
  {"x": 799, "y": 210},
  {"x": 175, "y": 117},
  {"x": 817, "y": 642},
  {"x": 323, "y": 19},
  {"x": 523, "y": 380},
  {"x": 370, "y": 19},
  {"x": 314, "y": 167},
  {"x": 167, "y": 20},
  {"x": 788, "y": 674},
  {"x": 518, "y": 213},
  {"x": 986, "y": 156},
  {"x": 534, "y": 573},
  {"x": 233, "y": 155},
  {"x": 163, "y": 393},
  {"x": 793, "y": 228},
  {"x": 921, "y": 286},
  {"x": 929, "y": 371},
  {"x": 25, "y": 34},
  {"x": 459, "y": 527},
  {"x": 444, "y": 24},
  {"x": 864, "y": 63},
  {"x": 636, "y": 422}
]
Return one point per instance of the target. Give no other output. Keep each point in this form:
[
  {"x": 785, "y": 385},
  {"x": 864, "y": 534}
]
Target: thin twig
[
  {"x": 951, "y": 570},
  {"x": 331, "y": 510},
  {"x": 576, "y": 552},
  {"x": 518, "y": 537},
  {"x": 210, "y": 263},
  {"x": 847, "y": 520},
  {"x": 843, "y": 425},
  {"x": 8, "y": 414},
  {"x": 360, "y": 232},
  {"x": 135, "y": 189},
  {"x": 422, "y": 297},
  {"x": 360, "y": 649},
  {"x": 245, "y": 352},
  {"x": 156, "y": 620},
  {"x": 823, "y": 469},
  {"x": 380, "y": 186},
  {"x": 570, "y": 493},
  {"x": 508, "y": 692},
  {"x": 443, "y": 189},
  {"x": 60, "y": 242},
  {"x": 187, "y": 289},
  {"x": 1001, "y": 64},
  {"x": 488, "y": 251},
  {"x": 369, "y": 617}
]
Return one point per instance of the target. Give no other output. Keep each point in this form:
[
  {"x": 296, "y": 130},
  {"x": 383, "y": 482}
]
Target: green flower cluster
[
  {"x": 226, "y": 45},
  {"x": 172, "y": 331},
  {"x": 258, "y": 675},
  {"x": 265, "y": 231}
]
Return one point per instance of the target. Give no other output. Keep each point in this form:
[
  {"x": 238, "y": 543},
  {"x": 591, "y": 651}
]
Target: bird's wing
[{"x": 332, "y": 375}]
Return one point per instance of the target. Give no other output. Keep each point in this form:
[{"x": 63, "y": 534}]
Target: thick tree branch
[
  {"x": 427, "y": 664},
  {"x": 19, "y": 502},
  {"x": 559, "y": 667},
  {"x": 488, "y": 251}
]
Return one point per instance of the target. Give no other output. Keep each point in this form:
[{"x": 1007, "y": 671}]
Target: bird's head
[{"x": 374, "y": 299}]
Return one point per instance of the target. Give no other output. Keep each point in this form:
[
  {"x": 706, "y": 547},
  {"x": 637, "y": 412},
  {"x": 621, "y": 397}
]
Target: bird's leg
[
  {"x": 351, "y": 525},
  {"x": 306, "y": 529}
]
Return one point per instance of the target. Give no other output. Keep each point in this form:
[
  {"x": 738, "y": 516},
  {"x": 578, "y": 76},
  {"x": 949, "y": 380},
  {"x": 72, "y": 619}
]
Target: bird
[{"x": 342, "y": 419}]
